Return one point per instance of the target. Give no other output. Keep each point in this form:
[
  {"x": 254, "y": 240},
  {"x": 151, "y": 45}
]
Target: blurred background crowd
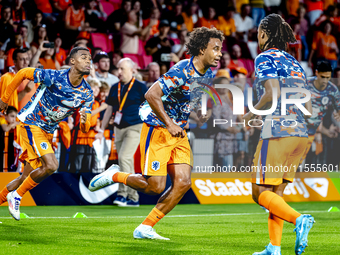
[{"x": 153, "y": 33}]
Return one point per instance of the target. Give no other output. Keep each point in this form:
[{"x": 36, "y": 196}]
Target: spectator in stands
[
  {"x": 224, "y": 63},
  {"x": 139, "y": 12},
  {"x": 60, "y": 53},
  {"x": 181, "y": 49},
  {"x": 328, "y": 14},
  {"x": 273, "y": 6},
  {"x": 15, "y": 43},
  {"x": 61, "y": 5},
  {"x": 314, "y": 10},
  {"x": 131, "y": 34},
  {"x": 102, "y": 61},
  {"x": 295, "y": 48},
  {"x": 46, "y": 56},
  {"x": 20, "y": 58},
  {"x": 244, "y": 23},
  {"x": 292, "y": 7},
  {"x": 224, "y": 145},
  {"x": 336, "y": 75},
  {"x": 153, "y": 74},
  {"x": 95, "y": 15},
  {"x": 161, "y": 44},
  {"x": 175, "y": 14},
  {"x": 18, "y": 12},
  {"x": 40, "y": 35},
  {"x": 155, "y": 14},
  {"x": 190, "y": 17},
  {"x": 226, "y": 23},
  {"x": 32, "y": 24},
  {"x": 75, "y": 18},
  {"x": 236, "y": 55},
  {"x": 257, "y": 11},
  {"x": 115, "y": 57},
  {"x": 209, "y": 19},
  {"x": 118, "y": 18},
  {"x": 6, "y": 28},
  {"x": 8, "y": 135},
  {"x": 303, "y": 30},
  {"x": 124, "y": 100},
  {"x": 325, "y": 46},
  {"x": 23, "y": 30},
  {"x": 45, "y": 7}
]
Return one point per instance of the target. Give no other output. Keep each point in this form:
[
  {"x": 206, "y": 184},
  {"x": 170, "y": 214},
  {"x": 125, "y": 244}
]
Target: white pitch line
[{"x": 169, "y": 216}]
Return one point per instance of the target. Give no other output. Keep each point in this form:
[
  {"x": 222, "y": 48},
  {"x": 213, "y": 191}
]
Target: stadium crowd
[{"x": 153, "y": 33}]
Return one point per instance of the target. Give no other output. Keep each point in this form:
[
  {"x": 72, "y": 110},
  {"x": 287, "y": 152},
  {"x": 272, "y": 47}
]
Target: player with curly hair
[{"x": 164, "y": 144}]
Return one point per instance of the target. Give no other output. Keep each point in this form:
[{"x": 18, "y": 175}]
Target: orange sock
[
  {"x": 154, "y": 216},
  {"x": 27, "y": 185},
  {"x": 3, "y": 195},
  {"x": 275, "y": 227},
  {"x": 277, "y": 206},
  {"x": 120, "y": 177}
]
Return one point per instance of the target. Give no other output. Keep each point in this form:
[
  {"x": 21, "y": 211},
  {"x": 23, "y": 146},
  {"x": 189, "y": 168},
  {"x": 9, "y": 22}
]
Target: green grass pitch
[{"x": 193, "y": 229}]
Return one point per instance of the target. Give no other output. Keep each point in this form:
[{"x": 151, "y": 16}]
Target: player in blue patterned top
[
  {"x": 60, "y": 94},
  {"x": 164, "y": 145},
  {"x": 177, "y": 98},
  {"x": 325, "y": 95},
  {"x": 279, "y": 151}
]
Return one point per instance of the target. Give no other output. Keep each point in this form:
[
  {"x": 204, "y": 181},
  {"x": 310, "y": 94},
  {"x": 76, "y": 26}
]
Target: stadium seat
[
  {"x": 102, "y": 41},
  {"x": 146, "y": 60},
  {"x": 116, "y": 4},
  {"x": 141, "y": 50},
  {"x": 135, "y": 58},
  {"x": 107, "y": 7}
]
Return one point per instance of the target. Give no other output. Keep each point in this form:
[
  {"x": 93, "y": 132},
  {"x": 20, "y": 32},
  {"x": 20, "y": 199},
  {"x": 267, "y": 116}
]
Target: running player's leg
[{"x": 15, "y": 183}]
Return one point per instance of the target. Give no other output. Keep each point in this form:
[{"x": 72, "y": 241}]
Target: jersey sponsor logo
[
  {"x": 325, "y": 100},
  {"x": 44, "y": 146},
  {"x": 155, "y": 165}
]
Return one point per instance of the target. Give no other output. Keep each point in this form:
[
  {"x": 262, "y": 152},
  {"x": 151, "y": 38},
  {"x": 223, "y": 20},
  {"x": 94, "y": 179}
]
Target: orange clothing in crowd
[
  {"x": 188, "y": 22},
  {"x": 327, "y": 3},
  {"x": 4, "y": 82},
  {"x": 154, "y": 30},
  {"x": 9, "y": 61},
  {"x": 109, "y": 135},
  {"x": 322, "y": 45},
  {"x": 28, "y": 95},
  {"x": 74, "y": 18},
  {"x": 61, "y": 56},
  {"x": 47, "y": 63},
  {"x": 292, "y": 6},
  {"x": 239, "y": 4},
  {"x": 63, "y": 4},
  {"x": 18, "y": 15},
  {"x": 87, "y": 138},
  {"x": 203, "y": 22},
  {"x": 296, "y": 47},
  {"x": 227, "y": 27},
  {"x": 44, "y": 6}
]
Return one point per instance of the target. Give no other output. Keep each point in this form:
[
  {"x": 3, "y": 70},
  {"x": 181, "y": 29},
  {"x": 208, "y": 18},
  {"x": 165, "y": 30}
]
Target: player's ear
[
  {"x": 202, "y": 51},
  {"x": 72, "y": 61}
]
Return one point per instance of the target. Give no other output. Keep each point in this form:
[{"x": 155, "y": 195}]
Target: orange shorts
[
  {"x": 159, "y": 149},
  {"x": 276, "y": 159},
  {"x": 309, "y": 144},
  {"x": 35, "y": 143}
]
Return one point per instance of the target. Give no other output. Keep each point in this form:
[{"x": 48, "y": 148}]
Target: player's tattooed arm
[{"x": 154, "y": 98}]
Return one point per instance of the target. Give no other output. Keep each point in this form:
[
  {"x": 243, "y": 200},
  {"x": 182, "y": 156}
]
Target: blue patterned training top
[
  {"x": 276, "y": 64},
  {"x": 55, "y": 99},
  {"x": 321, "y": 101},
  {"x": 180, "y": 86}
]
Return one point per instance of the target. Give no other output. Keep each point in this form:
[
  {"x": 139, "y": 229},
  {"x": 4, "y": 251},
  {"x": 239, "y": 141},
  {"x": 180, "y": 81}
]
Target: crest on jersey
[
  {"x": 77, "y": 101},
  {"x": 44, "y": 146},
  {"x": 155, "y": 165},
  {"x": 325, "y": 100}
]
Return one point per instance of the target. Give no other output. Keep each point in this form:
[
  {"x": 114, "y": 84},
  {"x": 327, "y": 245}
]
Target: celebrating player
[
  {"x": 279, "y": 145},
  {"x": 164, "y": 145},
  {"x": 59, "y": 95},
  {"x": 324, "y": 95}
]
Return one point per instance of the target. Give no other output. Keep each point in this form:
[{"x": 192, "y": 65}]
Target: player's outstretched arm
[
  {"x": 25, "y": 73},
  {"x": 154, "y": 98}
]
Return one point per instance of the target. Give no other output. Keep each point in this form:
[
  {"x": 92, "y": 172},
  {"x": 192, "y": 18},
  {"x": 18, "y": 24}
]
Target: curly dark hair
[
  {"x": 200, "y": 37},
  {"x": 278, "y": 31}
]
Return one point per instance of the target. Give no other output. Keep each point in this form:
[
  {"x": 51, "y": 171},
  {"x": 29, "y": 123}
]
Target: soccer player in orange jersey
[
  {"x": 59, "y": 95},
  {"x": 280, "y": 145},
  {"x": 164, "y": 144}
]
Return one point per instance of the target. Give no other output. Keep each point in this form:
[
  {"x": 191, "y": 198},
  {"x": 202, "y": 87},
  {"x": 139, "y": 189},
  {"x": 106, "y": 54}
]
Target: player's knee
[
  {"x": 184, "y": 184},
  {"x": 52, "y": 166}
]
